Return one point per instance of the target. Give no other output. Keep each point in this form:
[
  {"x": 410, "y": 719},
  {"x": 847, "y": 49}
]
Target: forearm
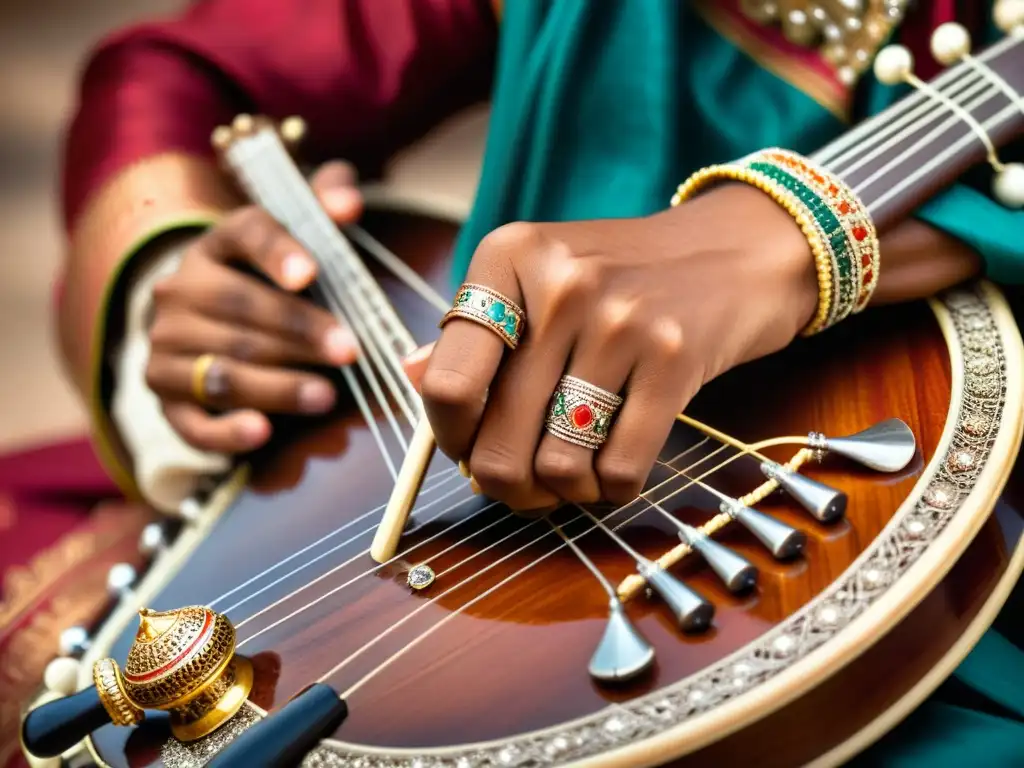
[{"x": 919, "y": 260}]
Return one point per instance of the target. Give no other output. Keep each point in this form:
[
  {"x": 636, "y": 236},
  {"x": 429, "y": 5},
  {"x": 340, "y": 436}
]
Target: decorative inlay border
[{"x": 893, "y": 552}]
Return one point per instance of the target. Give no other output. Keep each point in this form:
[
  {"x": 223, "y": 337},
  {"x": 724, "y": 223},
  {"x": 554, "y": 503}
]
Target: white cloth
[{"x": 167, "y": 469}]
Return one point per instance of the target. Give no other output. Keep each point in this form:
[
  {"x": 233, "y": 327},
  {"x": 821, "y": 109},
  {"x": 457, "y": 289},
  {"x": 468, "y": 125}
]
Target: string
[
  {"x": 601, "y": 578},
  {"x": 451, "y": 473}
]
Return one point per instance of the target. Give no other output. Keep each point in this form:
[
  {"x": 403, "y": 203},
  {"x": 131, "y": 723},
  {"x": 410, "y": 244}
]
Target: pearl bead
[
  {"x": 1008, "y": 185},
  {"x": 1009, "y": 15},
  {"x": 61, "y": 675},
  {"x": 893, "y": 64},
  {"x": 74, "y": 641},
  {"x": 950, "y": 43},
  {"x": 190, "y": 509},
  {"x": 120, "y": 579}
]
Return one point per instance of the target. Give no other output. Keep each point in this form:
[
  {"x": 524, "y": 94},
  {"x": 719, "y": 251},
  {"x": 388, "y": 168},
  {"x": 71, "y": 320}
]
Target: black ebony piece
[
  {"x": 55, "y": 727},
  {"x": 285, "y": 737}
]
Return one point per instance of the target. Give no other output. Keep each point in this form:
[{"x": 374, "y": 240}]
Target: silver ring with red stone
[
  {"x": 581, "y": 413},
  {"x": 490, "y": 309}
]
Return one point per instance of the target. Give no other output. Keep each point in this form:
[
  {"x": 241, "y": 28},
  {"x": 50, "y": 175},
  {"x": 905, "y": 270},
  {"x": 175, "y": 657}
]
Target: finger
[
  {"x": 415, "y": 365},
  {"x": 188, "y": 333},
  {"x": 335, "y": 186},
  {"x": 234, "y": 432},
  {"x": 503, "y": 454},
  {"x": 231, "y": 384},
  {"x": 467, "y": 354},
  {"x": 659, "y": 387},
  {"x": 224, "y": 294},
  {"x": 252, "y": 236},
  {"x": 603, "y": 357}
]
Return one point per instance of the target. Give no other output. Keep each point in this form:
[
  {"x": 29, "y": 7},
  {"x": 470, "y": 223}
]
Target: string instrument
[{"x": 819, "y": 545}]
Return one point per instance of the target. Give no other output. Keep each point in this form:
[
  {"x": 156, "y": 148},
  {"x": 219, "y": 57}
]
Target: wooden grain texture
[{"x": 516, "y": 660}]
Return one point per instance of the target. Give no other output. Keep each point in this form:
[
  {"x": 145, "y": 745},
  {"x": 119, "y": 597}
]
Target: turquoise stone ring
[{"x": 489, "y": 308}]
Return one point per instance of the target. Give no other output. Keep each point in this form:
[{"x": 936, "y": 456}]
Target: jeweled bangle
[
  {"x": 856, "y": 221},
  {"x": 797, "y": 208}
]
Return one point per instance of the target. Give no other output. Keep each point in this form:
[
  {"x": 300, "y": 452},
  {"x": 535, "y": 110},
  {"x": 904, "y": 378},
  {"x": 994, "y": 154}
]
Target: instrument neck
[{"x": 905, "y": 155}]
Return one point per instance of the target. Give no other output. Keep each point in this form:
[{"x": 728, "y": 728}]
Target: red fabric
[
  {"x": 368, "y": 76},
  {"x": 62, "y": 525}
]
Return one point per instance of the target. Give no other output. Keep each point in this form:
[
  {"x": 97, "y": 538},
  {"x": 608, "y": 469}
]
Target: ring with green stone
[{"x": 490, "y": 309}]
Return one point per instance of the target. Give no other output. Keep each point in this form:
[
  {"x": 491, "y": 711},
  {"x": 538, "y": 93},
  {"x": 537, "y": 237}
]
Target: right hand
[{"x": 259, "y": 333}]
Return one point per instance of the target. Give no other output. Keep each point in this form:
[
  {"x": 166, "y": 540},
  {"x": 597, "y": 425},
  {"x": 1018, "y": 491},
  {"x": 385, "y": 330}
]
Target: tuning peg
[
  {"x": 622, "y": 653},
  {"x": 886, "y": 447},
  {"x": 74, "y": 641},
  {"x": 243, "y": 124},
  {"x": 950, "y": 42},
  {"x": 824, "y": 503},
  {"x": 893, "y": 64},
  {"x": 120, "y": 579},
  {"x": 782, "y": 540},
  {"x": 736, "y": 572},
  {"x": 292, "y": 130},
  {"x": 222, "y": 137},
  {"x": 153, "y": 539},
  {"x": 691, "y": 611},
  {"x": 1009, "y": 16}
]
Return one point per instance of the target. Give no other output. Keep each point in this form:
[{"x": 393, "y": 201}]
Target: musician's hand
[
  {"x": 651, "y": 308},
  {"x": 259, "y": 332}
]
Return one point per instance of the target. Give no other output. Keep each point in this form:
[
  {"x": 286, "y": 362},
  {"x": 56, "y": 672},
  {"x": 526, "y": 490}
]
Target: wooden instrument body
[{"x": 825, "y": 654}]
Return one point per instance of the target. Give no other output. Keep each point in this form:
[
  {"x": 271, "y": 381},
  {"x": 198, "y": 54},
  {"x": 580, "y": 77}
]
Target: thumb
[
  {"x": 335, "y": 186},
  {"x": 416, "y": 364}
]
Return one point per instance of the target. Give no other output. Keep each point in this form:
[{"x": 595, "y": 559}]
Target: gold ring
[
  {"x": 200, "y": 368},
  {"x": 493, "y": 310}
]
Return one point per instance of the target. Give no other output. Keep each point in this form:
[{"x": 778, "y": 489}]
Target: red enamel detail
[
  {"x": 581, "y": 416},
  {"x": 867, "y": 277},
  {"x": 844, "y": 207},
  {"x": 860, "y": 233},
  {"x": 866, "y": 259},
  {"x": 200, "y": 639}
]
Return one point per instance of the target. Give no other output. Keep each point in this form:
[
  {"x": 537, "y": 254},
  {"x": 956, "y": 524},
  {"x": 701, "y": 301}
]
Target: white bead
[
  {"x": 120, "y": 578},
  {"x": 189, "y": 509},
  {"x": 152, "y": 539},
  {"x": 1009, "y": 14},
  {"x": 74, "y": 641},
  {"x": 1008, "y": 185},
  {"x": 61, "y": 675},
  {"x": 950, "y": 43},
  {"x": 892, "y": 64}
]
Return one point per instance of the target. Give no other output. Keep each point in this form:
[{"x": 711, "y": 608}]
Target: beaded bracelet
[{"x": 836, "y": 224}]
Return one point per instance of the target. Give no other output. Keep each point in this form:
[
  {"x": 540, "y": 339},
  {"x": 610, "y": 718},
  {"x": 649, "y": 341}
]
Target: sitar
[{"x": 821, "y": 542}]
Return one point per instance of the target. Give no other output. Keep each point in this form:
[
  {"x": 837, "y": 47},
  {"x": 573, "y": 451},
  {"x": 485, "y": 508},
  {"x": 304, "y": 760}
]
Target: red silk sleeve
[{"x": 368, "y": 76}]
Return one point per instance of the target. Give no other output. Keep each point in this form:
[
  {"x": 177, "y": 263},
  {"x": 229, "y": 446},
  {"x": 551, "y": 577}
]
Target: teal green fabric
[{"x": 600, "y": 108}]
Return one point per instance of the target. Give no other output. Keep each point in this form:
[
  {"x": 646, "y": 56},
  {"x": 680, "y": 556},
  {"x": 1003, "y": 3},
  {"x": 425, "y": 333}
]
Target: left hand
[{"x": 650, "y": 308}]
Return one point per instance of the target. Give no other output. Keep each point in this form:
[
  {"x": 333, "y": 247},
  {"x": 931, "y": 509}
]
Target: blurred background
[{"x": 42, "y": 46}]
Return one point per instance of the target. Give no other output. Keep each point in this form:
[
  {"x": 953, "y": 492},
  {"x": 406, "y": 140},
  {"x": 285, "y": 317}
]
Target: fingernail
[
  {"x": 253, "y": 429},
  {"x": 341, "y": 202},
  {"x": 340, "y": 345},
  {"x": 474, "y": 486},
  {"x": 297, "y": 269},
  {"x": 315, "y": 397},
  {"x": 464, "y": 470}
]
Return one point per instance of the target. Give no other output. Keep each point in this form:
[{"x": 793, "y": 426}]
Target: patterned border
[{"x": 900, "y": 545}]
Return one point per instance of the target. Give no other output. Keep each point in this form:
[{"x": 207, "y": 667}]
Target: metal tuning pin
[
  {"x": 692, "y": 612},
  {"x": 121, "y": 579},
  {"x": 74, "y": 641},
  {"x": 623, "y": 653},
  {"x": 201, "y": 689},
  {"x": 736, "y": 572},
  {"x": 153, "y": 539},
  {"x": 783, "y": 541},
  {"x": 888, "y": 446},
  {"x": 287, "y": 736},
  {"x": 825, "y": 504}
]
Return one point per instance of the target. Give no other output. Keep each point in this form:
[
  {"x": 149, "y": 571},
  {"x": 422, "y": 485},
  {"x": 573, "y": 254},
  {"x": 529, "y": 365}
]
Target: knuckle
[
  {"x": 622, "y": 478},
  {"x": 154, "y": 373},
  {"x": 242, "y": 346},
  {"x": 499, "y": 473},
  {"x": 162, "y": 331},
  {"x": 667, "y": 338},
  {"x": 511, "y": 239},
  {"x": 555, "y": 466},
  {"x": 448, "y": 387},
  {"x": 616, "y": 321}
]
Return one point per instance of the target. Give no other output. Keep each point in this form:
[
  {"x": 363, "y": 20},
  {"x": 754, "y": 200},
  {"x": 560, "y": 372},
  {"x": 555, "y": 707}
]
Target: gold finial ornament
[{"x": 182, "y": 662}]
